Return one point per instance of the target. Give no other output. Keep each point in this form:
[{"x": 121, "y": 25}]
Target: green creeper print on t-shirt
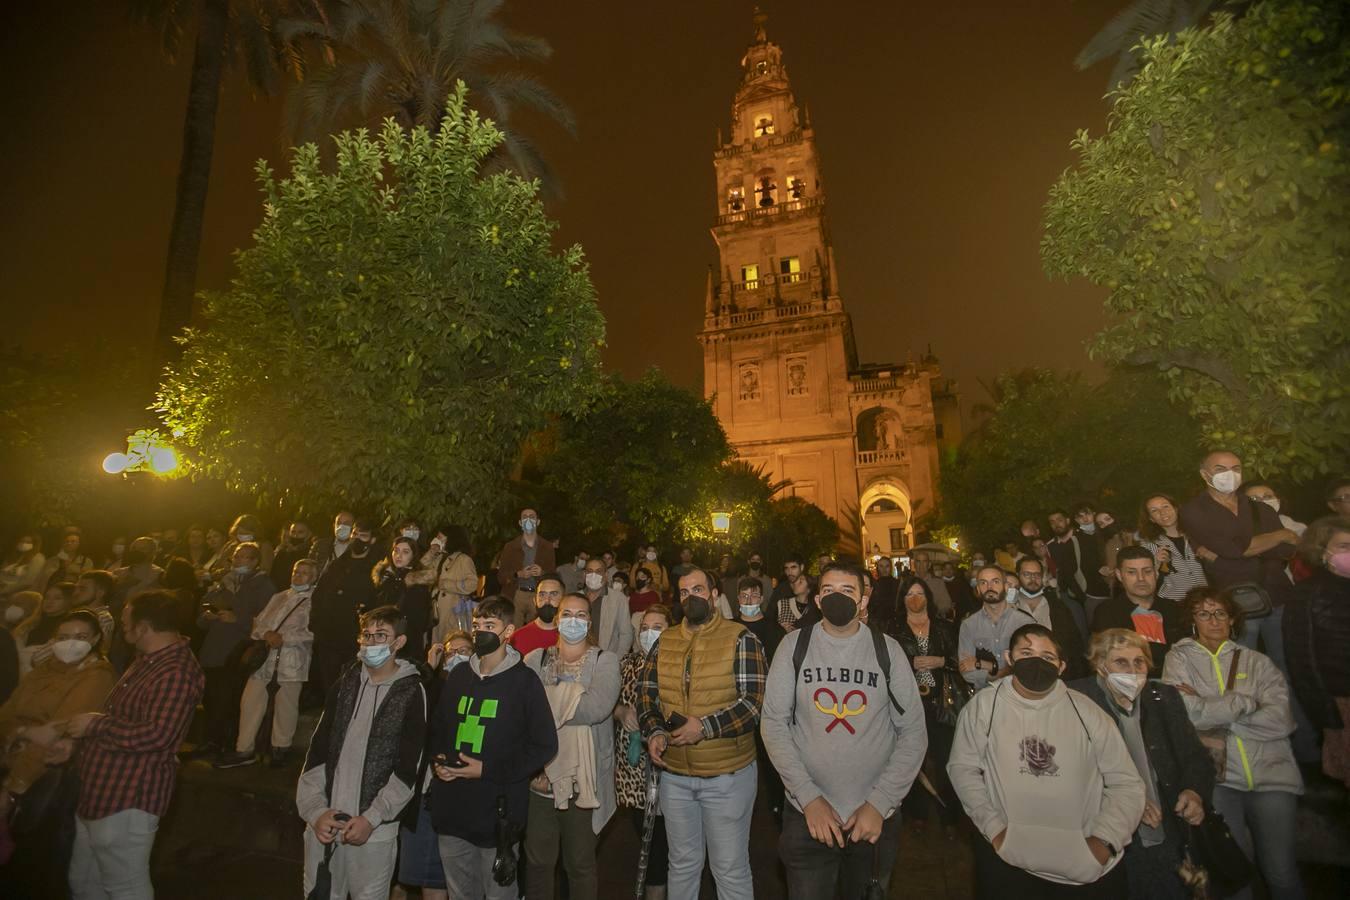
[{"x": 471, "y": 729}]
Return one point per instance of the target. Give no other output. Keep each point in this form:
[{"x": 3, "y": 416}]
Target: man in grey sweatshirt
[
  {"x": 847, "y": 739},
  {"x": 361, "y": 769},
  {"x": 1047, "y": 779}
]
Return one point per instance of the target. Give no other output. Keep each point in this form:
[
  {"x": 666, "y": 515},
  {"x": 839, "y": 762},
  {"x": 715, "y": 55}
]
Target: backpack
[{"x": 878, "y": 645}]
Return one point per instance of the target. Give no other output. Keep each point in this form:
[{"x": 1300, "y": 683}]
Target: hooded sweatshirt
[
  {"x": 848, "y": 743},
  {"x": 1255, "y": 712},
  {"x": 503, "y": 719},
  {"x": 341, "y": 785},
  {"x": 1052, "y": 771}
]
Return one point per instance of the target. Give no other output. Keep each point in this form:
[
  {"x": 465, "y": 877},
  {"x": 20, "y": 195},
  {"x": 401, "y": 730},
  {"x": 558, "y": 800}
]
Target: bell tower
[{"x": 777, "y": 344}]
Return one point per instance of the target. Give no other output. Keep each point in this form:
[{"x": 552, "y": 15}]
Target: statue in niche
[
  {"x": 749, "y": 380},
  {"x": 886, "y": 429},
  {"x": 796, "y": 376}
]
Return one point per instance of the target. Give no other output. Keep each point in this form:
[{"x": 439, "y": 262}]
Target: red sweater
[{"x": 530, "y": 637}]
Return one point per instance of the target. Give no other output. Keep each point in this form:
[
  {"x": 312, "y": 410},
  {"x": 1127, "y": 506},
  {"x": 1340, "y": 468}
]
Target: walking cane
[{"x": 648, "y": 826}]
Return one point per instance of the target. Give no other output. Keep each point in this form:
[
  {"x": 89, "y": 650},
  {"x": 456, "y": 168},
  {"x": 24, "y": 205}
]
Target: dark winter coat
[{"x": 1317, "y": 645}]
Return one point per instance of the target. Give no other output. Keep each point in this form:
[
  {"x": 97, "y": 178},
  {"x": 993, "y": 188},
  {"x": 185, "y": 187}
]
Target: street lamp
[
  {"x": 721, "y": 522},
  {"x": 147, "y": 451}
]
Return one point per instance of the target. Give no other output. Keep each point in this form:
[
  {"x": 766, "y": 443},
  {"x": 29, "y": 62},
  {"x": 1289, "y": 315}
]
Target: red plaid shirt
[{"x": 129, "y": 756}]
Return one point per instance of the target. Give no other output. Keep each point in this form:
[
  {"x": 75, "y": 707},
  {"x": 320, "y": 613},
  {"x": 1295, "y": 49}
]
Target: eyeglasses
[
  {"x": 1341, "y": 500},
  {"x": 376, "y": 637},
  {"x": 1216, "y": 615}
]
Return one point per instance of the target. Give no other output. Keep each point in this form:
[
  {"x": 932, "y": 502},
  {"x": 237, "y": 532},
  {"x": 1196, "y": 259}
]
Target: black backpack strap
[
  {"x": 884, "y": 661},
  {"x": 798, "y": 656}
]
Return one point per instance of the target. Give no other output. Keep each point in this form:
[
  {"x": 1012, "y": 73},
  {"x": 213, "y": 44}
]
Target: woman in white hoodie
[{"x": 1239, "y": 703}]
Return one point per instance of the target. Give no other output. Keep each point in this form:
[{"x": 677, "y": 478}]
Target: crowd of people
[{"x": 1090, "y": 707}]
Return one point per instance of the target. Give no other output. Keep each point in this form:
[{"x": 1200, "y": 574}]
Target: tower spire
[{"x": 760, "y": 19}]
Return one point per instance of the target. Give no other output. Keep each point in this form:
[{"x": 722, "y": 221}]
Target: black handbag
[
  {"x": 1211, "y": 846},
  {"x": 952, "y": 697},
  {"x": 36, "y": 805}
]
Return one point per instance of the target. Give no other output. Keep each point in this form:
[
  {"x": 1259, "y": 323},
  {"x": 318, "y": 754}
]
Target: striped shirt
[
  {"x": 1186, "y": 570},
  {"x": 129, "y": 760}
]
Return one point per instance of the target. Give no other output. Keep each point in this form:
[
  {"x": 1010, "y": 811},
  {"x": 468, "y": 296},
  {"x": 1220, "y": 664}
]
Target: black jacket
[
  {"x": 1317, "y": 645},
  {"x": 1180, "y": 762},
  {"x": 1065, "y": 627},
  {"x": 343, "y": 591},
  {"x": 1117, "y": 613},
  {"x": 942, "y": 639},
  {"x": 413, "y": 600}
]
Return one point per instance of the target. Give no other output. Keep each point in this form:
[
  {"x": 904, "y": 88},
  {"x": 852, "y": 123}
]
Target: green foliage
[
  {"x": 397, "y": 329},
  {"x": 636, "y": 462},
  {"x": 1054, "y": 439},
  {"x": 1214, "y": 210},
  {"x": 795, "y": 525}
]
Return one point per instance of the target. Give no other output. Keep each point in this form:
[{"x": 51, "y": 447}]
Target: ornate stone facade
[{"x": 860, "y": 441}]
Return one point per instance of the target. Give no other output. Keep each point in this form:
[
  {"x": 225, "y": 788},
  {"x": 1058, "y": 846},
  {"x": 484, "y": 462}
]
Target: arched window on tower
[
  {"x": 735, "y": 200},
  {"x": 763, "y": 124},
  {"x": 796, "y": 187}
]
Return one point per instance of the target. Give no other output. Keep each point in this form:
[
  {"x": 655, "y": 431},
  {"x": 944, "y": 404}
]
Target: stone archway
[{"x": 886, "y": 517}]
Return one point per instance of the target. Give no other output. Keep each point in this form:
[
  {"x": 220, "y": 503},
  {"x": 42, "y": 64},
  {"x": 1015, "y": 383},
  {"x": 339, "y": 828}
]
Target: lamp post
[
  {"x": 721, "y": 522},
  {"x": 147, "y": 451}
]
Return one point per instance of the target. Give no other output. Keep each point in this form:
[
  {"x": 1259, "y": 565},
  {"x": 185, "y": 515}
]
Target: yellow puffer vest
[{"x": 696, "y": 675}]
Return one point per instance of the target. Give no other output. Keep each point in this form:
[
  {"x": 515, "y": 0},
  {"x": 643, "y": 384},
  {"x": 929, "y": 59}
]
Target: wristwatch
[{"x": 1110, "y": 848}]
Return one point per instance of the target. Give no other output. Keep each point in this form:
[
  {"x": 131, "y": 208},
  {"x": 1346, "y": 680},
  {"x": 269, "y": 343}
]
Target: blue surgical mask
[
  {"x": 574, "y": 630},
  {"x": 412, "y": 534},
  {"x": 750, "y": 610},
  {"x": 528, "y": 525},
  {"x": 241, "y": 571},
  {"x": 375, "y": 655},
  {"x": 455, "y": 660},
  {"x": 343, "y": 532},
  {"x": 648, "y": 639}
]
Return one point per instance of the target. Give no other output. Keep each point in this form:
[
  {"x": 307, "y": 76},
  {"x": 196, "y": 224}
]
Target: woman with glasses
[
  {"x": 573, "y": 798},
  {"x": 1160, "y": 533},
  {"x": 1239, "y": 703}
]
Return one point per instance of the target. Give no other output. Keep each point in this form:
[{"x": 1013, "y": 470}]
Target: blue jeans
[
  {"x": 712, "y": 813},
  {"x": 1264, "y": 825}
]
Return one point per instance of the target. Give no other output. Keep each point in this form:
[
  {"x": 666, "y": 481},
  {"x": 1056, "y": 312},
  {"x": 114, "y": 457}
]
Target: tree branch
[{"x": 1196, "y": 361}]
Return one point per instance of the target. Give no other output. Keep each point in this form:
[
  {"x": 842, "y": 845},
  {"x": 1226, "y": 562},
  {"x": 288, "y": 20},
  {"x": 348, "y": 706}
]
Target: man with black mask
[
  {"x": 844, "y": 726},
  {"x": 1046, "y": 778},
  {"x": 343, "y": 592},
  {"x": 699, "y": 699}
]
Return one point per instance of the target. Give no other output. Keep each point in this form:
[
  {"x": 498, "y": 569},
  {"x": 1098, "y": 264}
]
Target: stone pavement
[{"x": 235, "y": 834}]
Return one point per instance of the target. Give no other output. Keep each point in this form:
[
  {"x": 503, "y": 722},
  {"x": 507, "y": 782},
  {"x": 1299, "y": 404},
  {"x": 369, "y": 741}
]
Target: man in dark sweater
[
  {"x": 1137, "y": 607},
  {"x": 343, "y": 592},
  {"x": 361, "y": 769},
  {"x": 491, "y": 733}
]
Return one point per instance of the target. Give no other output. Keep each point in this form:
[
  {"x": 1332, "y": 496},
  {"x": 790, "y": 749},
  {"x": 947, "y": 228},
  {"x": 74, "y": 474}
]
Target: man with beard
[
  {"x": 699, "y": 700},
  {"x": 1046, "y": 778},
  {"x": 343, "y": 592},
  {"x": 1137, "y": 607},
  {"x": 984, "y": 634},
  {"x": 1077, "y": 561}
]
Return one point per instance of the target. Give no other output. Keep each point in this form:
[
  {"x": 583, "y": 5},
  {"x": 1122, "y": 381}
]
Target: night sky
[{"x": 940, "y": 128}]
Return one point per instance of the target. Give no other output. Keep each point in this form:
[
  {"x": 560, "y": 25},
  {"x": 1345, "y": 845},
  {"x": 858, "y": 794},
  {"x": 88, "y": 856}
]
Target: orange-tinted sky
[{"x": 940, "y": 128}]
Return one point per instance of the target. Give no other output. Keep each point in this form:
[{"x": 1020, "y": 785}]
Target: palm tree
[
  {"x": 401, "y": 59},
  {"x": 228, "y": 31},
  {"x": 1142, "y": 19}
]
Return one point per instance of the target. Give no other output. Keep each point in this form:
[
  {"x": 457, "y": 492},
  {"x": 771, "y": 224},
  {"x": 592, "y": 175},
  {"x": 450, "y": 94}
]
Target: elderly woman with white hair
[{"x": 1177, "y": 771}]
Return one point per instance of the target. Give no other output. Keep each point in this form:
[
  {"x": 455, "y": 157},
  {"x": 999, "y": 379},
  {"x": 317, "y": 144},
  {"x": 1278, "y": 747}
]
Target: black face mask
[
  {"x": 486, "y": 643},
  {"x": 838, "y": 609},
  {"x": 135, "y": 557},
  {"x": 547, "y": 612},
  {"x": 755, "y": 567},
  {"x": 696, "y": 609},
  {"x": 1037, "y": 675},
  {"x": 358, "y": 548}
]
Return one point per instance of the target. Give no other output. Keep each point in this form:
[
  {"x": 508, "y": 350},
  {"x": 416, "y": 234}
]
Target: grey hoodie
[
  {"x": 1053, "y": 772},
  {"x": 1256, "y": 712},
  {"x": 311, "y": 799},
  {"x": 849, "y": 744}
]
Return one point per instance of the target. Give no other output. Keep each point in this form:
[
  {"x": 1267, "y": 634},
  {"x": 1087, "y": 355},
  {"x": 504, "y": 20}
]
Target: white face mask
[
  {"x": 71, "y": 651},
  {"x": 1033, "y": 594},
  {"x": 25, "y": 547},
  {"x": 343, "y": 532},
  {"x": 1089, "y": 528},
  {"x": 1272, "y": 502},
  {"x": 594, "y": 580},
  {"x": 616, "y": 586},
  {"x": 648, "y": 639},
  {"x": 412, "y": 534},
  {"x": 14, "y": 614},
  {"x": 454, "y": 660},
  {"x": 651, "y": 556},
  {"x": 1225, "y": 482},
  {"x": 1127, "y": 684},
  {"x": 438, "y": 543},
  {"x": 244, "y": 538}
]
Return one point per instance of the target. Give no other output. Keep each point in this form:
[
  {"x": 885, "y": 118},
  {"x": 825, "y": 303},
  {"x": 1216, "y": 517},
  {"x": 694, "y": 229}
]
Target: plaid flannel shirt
[
  {"x": 129, "y": 759},
  {"x": 741, "y": 717}
]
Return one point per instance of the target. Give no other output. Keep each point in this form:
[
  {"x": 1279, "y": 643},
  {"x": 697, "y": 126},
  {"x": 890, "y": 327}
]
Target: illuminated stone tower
[{"x": 779, "y": 361}]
